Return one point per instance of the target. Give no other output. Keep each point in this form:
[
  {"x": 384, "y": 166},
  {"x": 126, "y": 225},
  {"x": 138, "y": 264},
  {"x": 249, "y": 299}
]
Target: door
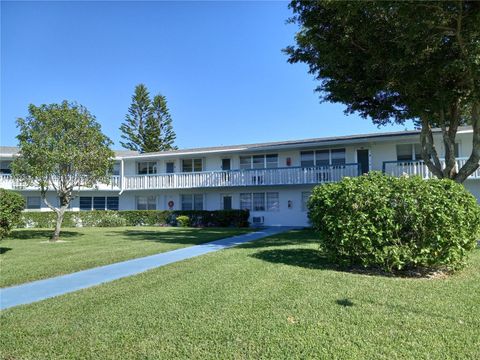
[
  {"x": 363, "y": 158},
  {"x": 170, "y": 167},
  {"x": 226, "y": 164},
  {"x": 227, "y": 202}
]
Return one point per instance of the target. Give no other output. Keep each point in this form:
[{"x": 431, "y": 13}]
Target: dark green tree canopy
[
  {"x": 148, "y": 124},
  {"x": 398, "y": 61},
  {"x": 62, "y": 148}
]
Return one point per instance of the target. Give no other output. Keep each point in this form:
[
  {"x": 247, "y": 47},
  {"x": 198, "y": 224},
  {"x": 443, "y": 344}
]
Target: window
[
  {"x": 338, "y": 156},
  {"x": 88, "y": 203},
  {"x": 246, "y": 201},
  {"x": 99, "y": 203},
  {"x": 112, "y": 203},
  {"x": 32, "y": 202},
  {"x": 273, "y": 203},
  {"x": 116, "y": 169},
  {"x": 192, "y": 202},
  {"x": 406, "y": 152},
  {"x": 85, "y": 203},
  {"x": 307, "y": 159},
  {"x": 305, "y": 197},
  {"x": 192, "y": 165},
  {"x": 5, "y": 167},
  {"x": 146, "y": 203},
  {"x": 260, "y": 201},
  {"x": 146, "y": 168},
  {"x": 321, "y": 158},
  {"x": 259, "y": 161}
]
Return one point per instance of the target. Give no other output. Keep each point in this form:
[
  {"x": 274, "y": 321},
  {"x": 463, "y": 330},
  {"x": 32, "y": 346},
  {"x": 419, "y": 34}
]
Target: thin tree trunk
[
  {"x": 473, "y": 162},
  {"x": 56, "y": 235},
  {"x": 429, "y": 152}
]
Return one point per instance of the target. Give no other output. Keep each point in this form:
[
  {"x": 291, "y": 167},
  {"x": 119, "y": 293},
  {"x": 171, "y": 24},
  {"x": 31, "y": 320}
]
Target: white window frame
[
  {"x": 258, "y": 155},
  {"x": 265, "y": 201},
  {"x": 155, "y": 167},
  {"x": 329, "y": 156},
  {"x": 148, "y": 203},
  {"x": 193, "y": 164},
  {"x": 192, "y": 199},
  {"x": 92, "y": 208}
]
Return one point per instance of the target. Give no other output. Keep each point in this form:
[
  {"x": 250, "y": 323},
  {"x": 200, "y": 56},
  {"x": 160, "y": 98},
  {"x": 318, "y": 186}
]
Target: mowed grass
[
  {"x": 26, "y": 255},
  {"x": 275, "y": 298}
]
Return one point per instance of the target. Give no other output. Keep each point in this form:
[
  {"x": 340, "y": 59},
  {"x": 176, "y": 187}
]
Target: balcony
[
  {"x": 235, "y": 178},
  {"x": 418, "y": 168},
  {"x": 7, "y": 182}
]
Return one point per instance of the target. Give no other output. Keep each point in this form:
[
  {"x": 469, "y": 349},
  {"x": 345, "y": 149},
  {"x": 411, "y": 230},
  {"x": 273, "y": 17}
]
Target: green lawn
[
  {"x": 275, "y": 298},
  {"x": 27, "y": 255}
]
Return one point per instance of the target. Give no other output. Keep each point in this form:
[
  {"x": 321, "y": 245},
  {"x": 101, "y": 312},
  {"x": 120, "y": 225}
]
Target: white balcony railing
[
  {"x": 418, "y": 168},
  {"x": 233, "y": 178},
  {"x": 7, "y": 182}
]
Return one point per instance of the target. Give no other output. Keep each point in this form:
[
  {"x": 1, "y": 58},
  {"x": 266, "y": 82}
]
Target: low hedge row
[{"x": 97, "y": 218}]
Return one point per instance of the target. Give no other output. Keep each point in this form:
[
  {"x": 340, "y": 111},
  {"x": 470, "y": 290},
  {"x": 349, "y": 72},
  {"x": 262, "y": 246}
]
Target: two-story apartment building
[{"x": 273, "y": 180}]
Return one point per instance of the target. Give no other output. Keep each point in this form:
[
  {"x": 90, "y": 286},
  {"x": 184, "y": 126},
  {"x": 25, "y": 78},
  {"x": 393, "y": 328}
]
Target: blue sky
[{"x": 219, "y": 64}]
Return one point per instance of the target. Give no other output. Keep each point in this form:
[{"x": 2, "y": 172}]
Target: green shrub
[
  {"x": 220, "y": 218},
  {"x": 395, "y": 223},
  {"x": 11, "y": 206},
  {"x": 183, "y": 221}
]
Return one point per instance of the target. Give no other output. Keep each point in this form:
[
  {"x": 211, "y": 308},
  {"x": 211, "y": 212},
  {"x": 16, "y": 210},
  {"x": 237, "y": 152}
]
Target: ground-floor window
[
  {"x": 305, "y": 197},
  {"x": 192, "y": 201},
  {"x": 262, "y": 201},
  {"x": 32, "y": 202},
  {"x": 88, "y": 203},
  {"x": 146, "y": 202}
]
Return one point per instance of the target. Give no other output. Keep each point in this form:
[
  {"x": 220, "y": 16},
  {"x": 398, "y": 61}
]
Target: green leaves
[
  {"x": 395, "y": 223},
  {"x": 148, "y": 124},
  {"x": 11, "y": 206}
]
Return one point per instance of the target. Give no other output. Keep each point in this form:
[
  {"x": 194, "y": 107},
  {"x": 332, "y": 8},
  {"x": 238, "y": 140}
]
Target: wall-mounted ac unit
[{"x": 258, "y": 220}]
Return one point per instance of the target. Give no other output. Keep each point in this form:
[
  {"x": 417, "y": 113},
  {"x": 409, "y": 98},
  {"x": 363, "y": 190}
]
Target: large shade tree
[
  {"x": 398, "y": 61},
  {"x": 62, "y": 149}
]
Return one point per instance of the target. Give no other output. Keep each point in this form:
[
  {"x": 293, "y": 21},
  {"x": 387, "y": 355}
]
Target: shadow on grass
[
  {"x": 3, "y": 250},
  {"x": 344, "y": 302},
  {"x": 178, "y": 236},
  {"x": 40, "y": 234},
  {"x": 306, "y": 258},
  {"x": 294, "y": 237}
]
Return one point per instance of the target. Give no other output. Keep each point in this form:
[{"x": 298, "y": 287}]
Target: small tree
[
  {"x": 11, "y": 206},
  {"x": 394, "y": 61},
  {"x": 148, "y": 124},
  {"x": 62, "y": 149}
]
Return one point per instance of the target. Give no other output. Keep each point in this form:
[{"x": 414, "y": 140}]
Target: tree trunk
[
  {"x": 58, "y": 225},
  {"x": 473, "y": 162}
]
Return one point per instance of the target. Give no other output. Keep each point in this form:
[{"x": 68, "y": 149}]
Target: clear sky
[{"x": 219, "y": 64}]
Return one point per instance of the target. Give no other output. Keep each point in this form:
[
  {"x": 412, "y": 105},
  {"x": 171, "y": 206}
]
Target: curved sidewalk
[{"x": 44, "y": 289}]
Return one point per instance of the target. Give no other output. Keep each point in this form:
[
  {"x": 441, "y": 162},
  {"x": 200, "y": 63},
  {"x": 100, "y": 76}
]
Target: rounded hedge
[
  {"x": 11, "y": 206},
  {"x": 395, "y": 223}
]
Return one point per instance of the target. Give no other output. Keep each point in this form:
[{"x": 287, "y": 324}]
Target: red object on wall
[
  {"x": 170, "y": 204},
  {"x": 289, "y": 161}
]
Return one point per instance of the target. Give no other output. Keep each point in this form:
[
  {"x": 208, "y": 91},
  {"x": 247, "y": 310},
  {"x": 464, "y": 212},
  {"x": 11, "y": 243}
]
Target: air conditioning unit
[{"x": 258, "y": 220}]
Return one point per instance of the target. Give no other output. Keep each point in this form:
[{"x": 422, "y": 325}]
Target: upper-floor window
[
  {"x": 267, "y": 161},
  {"x": 116, "y": 169},
  {"x": 192, "y": 165},
  {"x": 324, "y": 157},
  {"x": 146, "y": 167},
  {"x": 5, "y": 167},
  {"x": 409, "y": 152}
]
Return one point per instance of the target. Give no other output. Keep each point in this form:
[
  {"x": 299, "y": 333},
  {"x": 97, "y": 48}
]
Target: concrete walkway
[{"x": 44, "y": 289}]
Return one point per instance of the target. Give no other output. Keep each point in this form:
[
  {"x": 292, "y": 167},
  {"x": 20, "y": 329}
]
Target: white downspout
[{"x": 121, "y": 177}]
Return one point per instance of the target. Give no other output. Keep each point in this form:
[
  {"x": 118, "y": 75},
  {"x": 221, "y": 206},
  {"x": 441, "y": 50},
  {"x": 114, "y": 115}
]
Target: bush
[
  {"x": 220, "y": 218},
  {"x": 183, "y": 221},
  {"x": 11, "y": 206},
  {"x": 395, "y": 223}
]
